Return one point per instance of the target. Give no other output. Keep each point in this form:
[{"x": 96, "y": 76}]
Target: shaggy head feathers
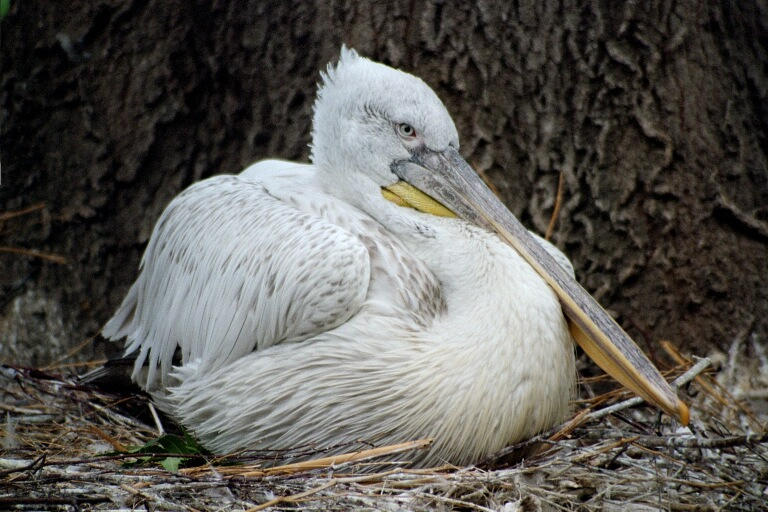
[{"x": 359, "y": 103}]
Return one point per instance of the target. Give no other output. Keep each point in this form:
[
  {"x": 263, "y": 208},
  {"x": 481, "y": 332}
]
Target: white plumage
[{"x": 308, "y": 308}]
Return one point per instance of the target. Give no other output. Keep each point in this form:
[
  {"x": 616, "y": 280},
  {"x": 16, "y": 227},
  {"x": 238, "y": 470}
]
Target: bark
[{"x": 654, "y": 113}]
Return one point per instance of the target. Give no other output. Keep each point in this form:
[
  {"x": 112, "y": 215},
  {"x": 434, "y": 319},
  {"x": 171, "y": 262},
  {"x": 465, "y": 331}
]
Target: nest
[{"x": 67, "y": 447}]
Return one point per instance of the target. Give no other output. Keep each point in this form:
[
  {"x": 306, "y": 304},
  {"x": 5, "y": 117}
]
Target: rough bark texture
[{"x": 654, "y": 113}]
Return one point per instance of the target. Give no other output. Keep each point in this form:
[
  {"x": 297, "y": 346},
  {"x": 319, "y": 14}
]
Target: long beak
[{"x": 447, "y": 178}]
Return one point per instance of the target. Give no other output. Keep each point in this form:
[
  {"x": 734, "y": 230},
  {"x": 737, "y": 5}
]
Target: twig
[
  {"x": 19, "y": 467},
  {"x": 51, "y": 500},
  {"x": 571, "y": 425},
  {"x": 75, "y": 364},
  {"x": 603, "y": 449},
  {"x": 323, "y": 462},
  {"x": 154, "y": 499},
  {"x": 49, "y": 256},
  {"x": 45, "y": 462},
  {"x": 116, "y": 445},
  {"x": 700, "y": 379},
  {"x": 293, "y": 498},
  {"x": 694, "y": 442},
  {"x": 156, "y": 418},
  {"x": 80, "y": 346},
  {"x": 556, "y": 209},
  {"x": 709, "y": 385},
  {"x": 486, "y": 179},
  {"x": 377, "y": 477},
  {"x": 678, "y": 382},
  {"x": 24, "y": 211},
  {"x": 455, "y": 502},
  {"x": 119, "y": 417}
]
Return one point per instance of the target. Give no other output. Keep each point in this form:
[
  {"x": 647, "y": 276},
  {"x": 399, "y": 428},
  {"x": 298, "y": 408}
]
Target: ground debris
[{"x": 68, "y": 447}]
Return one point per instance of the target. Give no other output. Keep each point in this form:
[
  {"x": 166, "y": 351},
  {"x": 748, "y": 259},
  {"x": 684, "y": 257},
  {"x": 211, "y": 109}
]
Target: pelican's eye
[{"x": 406, "y": 131}]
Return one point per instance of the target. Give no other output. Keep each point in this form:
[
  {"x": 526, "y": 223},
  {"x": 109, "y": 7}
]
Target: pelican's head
[
  {"x": 380, "y": 132},
  {"x": 368, "y": 115}
]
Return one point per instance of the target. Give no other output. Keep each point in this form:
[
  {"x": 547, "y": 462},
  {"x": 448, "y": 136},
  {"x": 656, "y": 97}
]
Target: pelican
[{"x": 381, "y": 294}]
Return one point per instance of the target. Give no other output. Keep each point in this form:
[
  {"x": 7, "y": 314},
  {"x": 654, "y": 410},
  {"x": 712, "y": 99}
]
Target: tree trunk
[{"x": 653, "y": 114}]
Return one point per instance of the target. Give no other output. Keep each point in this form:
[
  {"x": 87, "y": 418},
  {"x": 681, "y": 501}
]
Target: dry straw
[{"x": 64, "y": 449}]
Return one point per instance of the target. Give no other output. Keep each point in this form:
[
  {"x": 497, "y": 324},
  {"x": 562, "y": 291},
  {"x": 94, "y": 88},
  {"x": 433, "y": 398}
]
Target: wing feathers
[{"x": 229, "y": 269}]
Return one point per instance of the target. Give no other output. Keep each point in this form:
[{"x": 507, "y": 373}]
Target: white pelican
[{"x": 345, "y": 301}]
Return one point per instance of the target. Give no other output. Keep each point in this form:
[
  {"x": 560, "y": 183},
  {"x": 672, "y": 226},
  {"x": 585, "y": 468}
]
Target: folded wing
[{"x": 230, "y": 269}]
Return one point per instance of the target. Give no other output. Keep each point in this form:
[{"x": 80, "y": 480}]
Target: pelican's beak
[{"x": 447, "y": 178}]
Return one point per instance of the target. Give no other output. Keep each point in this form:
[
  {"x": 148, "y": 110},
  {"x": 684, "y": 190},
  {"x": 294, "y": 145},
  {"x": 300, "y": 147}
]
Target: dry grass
[{"x": 64, "y": 450}]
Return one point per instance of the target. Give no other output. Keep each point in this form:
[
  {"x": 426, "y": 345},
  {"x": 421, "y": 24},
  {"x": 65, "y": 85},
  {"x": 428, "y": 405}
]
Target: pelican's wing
[{"x": 230, "y": 268}]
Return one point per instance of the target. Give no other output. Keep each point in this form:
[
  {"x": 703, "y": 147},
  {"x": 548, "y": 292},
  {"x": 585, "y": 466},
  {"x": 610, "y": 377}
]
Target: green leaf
[
  {"x": 168, "y": 443},
  {"x": 172, "y": 443},
  {"x": 171, "y": 463},
  {"x": 5, "y": 6}
]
